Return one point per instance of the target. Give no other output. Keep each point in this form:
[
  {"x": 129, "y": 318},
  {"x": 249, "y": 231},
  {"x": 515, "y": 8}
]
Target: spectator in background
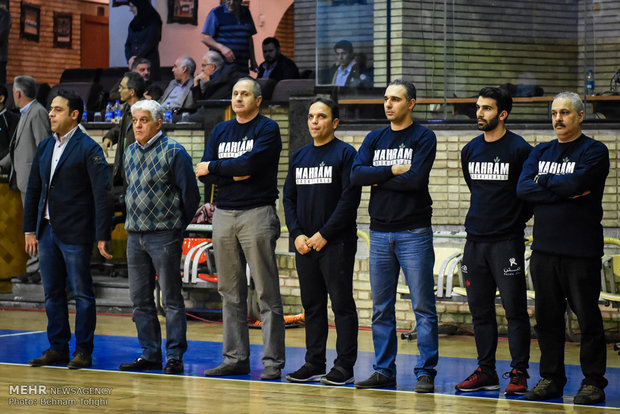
[
  {"x": 276, "y": 66},
  {"x": 216, "y": 79},
  {"x": 32, "y": 128},
  {"x": 5, "y": 27},
  {"x": 144, "y": 35},
  {"x": 346, "y": 71},
  {"x": 141, "y": 66},
  {"x": 131, "y": 90},
  {"x": 178, "y": 91},
  {"x": 8, "y": 123},
  {"x": 229, "y": 29}
]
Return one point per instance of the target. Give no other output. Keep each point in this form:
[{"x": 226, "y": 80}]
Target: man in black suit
[
  {"x": 8, "y": 123},
  {"x": 216, "y": 79},
  {"x": 276, "y": 66},
  {"x": 67, "y": 208}
]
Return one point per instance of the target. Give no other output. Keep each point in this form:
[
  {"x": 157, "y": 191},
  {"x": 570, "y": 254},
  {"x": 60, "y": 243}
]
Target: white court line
[{"x": 22, "y": 333}]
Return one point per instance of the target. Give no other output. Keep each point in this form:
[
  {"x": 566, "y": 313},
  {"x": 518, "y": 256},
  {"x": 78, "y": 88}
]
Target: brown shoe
[
  {"x": 50, "y": 357},
  {"x": 80, "y": 359}
]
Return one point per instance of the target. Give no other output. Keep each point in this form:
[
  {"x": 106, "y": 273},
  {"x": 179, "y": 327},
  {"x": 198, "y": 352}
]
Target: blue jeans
[
  {"x": 67, "y": 266},
  {"x": 411, "y": 250},
  {"x": 149, "y": 254}
]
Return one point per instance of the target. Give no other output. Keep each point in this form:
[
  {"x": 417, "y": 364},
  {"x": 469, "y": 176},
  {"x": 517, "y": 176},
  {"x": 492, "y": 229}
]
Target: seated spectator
[
  {"x": 131, "y": 90},
  {"x": 276, "y": 66},
  {"x": 178, "y": 91},
  {"x": 346, "y": 71},
  {"x": 8, "y": 122},
  {"x": 142, "y": 66},
  {"x": 216, "y": 79}
]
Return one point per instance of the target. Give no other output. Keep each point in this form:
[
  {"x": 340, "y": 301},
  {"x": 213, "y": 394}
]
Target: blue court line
[{"x": 18, "y": 347}]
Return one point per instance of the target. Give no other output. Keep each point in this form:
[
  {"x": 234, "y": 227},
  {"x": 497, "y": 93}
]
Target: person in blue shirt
[
  {"x": 228, "y": 29},
  {"x": 396, "y": 162},
  {"x": 320, "y": 206},
  {"x": 242, "y": 157},
  {"x": 564, "y": 179},
  {"x": 494, "y": 252}
]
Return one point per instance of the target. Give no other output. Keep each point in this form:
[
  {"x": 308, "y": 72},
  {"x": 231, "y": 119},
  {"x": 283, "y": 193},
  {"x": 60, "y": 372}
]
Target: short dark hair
[
  {"x": 410, "y": 92},
  {"x": 344, "y": 44},
  {"x": 333, "y": 106},
  {"x": 272, "y": 40},
  {"x": 500, "y": 95},
  {"x": 74, "y": 101},
  {"x": 136, "y": 82},
  {"x": 139, "y": 61},
  {"x": 4, "y": 92}
]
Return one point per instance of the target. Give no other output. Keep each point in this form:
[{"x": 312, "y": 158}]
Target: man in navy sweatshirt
[
  {"x": 321, "y": 207},
  {"x": 396, "y": 162},
  {"x": 565, "y": 179},
  {"x": 241, "y": 157},
  {"x": 494, "y": 251},
  {"x": 161, "y": 198}
]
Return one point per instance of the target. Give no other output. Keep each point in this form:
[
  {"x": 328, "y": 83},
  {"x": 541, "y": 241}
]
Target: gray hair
[
  {"x": 255, "y": 86},
  {"x": 188, "y": 62},
  {"x": 215, "y": 58},
  {"x": 26, "y": 85},
  {"x": 155, "y": 109},
  {"x": 574, "y": 98}
]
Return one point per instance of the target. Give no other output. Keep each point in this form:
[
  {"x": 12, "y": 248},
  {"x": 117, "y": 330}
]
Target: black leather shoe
[
  {"x": 140, "y": 364},
  {"x": 376, "y": 380},
  {"x": 174, "y": 366},
  {"x": 80, "y": 359},
  {"x": 50, "y": 357}
]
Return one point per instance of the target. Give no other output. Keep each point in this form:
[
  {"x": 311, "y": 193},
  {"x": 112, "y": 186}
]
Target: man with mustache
[
  {"x": 565, "y": 179},
  {"x": 493, "y": 257}
]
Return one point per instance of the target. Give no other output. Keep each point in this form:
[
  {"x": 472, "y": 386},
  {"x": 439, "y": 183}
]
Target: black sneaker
[
  {"x": 376, "y": 380},
  {"x": 338, "y": 376},
  {"x": 545, "y": 389},
  {"x": 425, "y": 384},
  {"x": 589, "y": 394},
  {"x": 307, "y": 373}
]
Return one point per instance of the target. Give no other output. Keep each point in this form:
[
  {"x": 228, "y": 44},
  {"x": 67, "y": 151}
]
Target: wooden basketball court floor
[{"x": 24, "y": 389}]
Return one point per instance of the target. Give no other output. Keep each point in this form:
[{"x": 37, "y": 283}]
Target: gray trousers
[{"x": 240, "y": 237}]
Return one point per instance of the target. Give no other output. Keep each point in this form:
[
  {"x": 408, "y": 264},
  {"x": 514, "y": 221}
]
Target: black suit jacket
[
  {"x": 219, "y": 87},
  {"x": 8, "y": 123},
  {"x": 285, "y": 69},
  {"x": 78, "y": 196}
]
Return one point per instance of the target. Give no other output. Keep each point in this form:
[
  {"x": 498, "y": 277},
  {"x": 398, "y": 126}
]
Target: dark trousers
[
  {"x": 559, "y": 280},
  {"x": 488, "y": 266},
  {"x": 329, "y": 272}
]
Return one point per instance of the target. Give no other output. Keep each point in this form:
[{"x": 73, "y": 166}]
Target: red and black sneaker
[
  {"x": 478, "y": 381},
  {"x": 518, "y": 382}
]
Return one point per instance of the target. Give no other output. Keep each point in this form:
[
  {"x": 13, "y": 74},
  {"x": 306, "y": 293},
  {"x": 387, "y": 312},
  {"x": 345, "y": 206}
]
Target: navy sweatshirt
[
  {"x": 318, "y": 195},
  {"x": 236, "y": 150},
  {"x": 491, "y": 170},
  {"x": 555, "y": 172},
  {"x": 401, "y": 202}
]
